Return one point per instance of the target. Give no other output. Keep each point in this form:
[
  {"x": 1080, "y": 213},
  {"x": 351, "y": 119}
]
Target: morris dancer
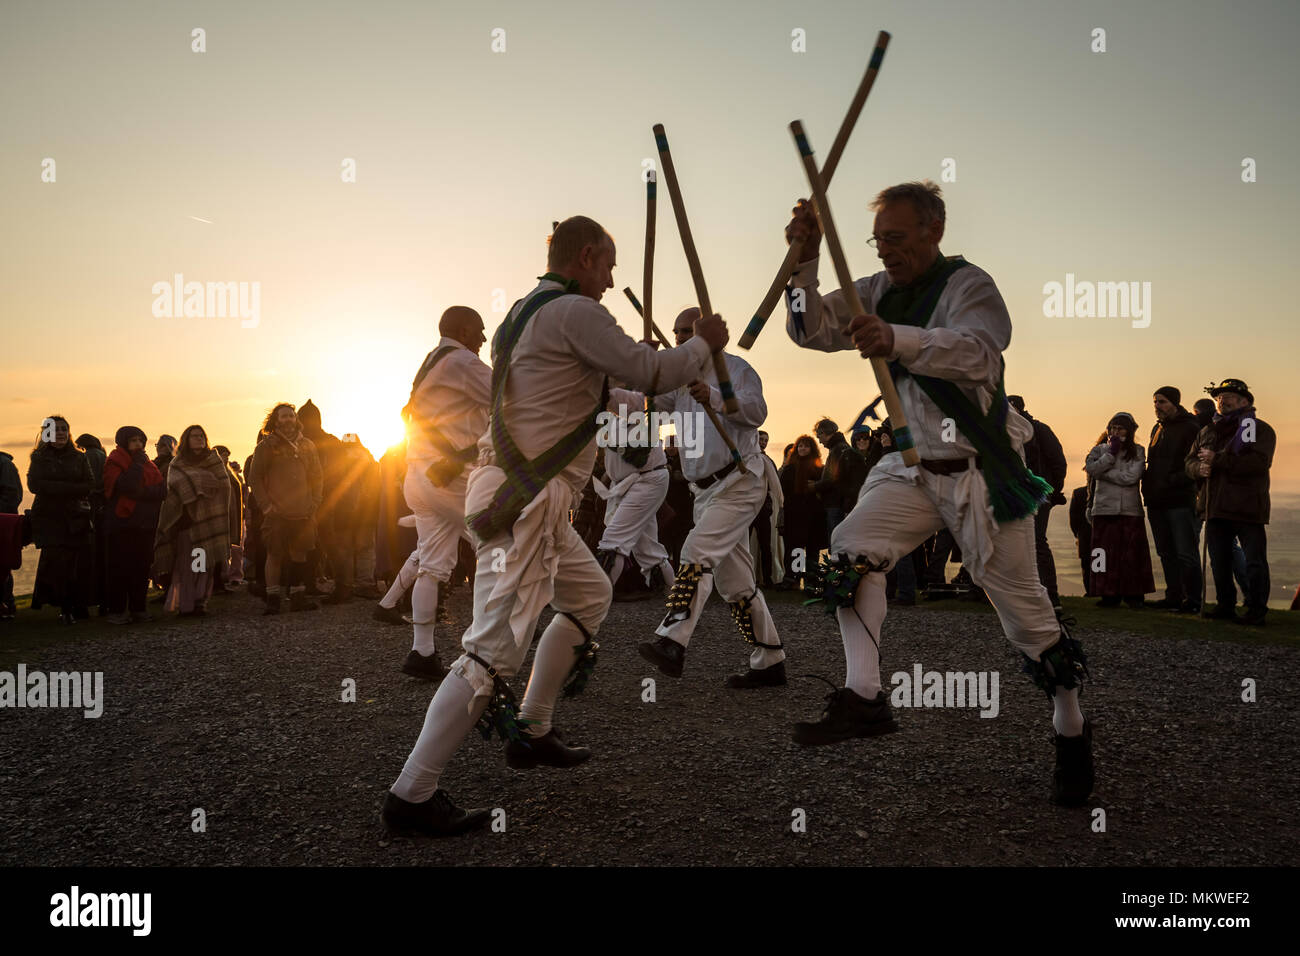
[
  {"x": 727, "y": 499},
  {"x": 638, "y": 484},
  {"x": 943, "y": 325},
  {"x": 551, "y": 358},
  {"x": 446, "y": 416}
]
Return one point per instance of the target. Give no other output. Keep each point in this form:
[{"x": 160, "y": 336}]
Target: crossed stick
[
  {"x": 693, "y": 261},
  {"x": 897, "y": 420},
  {"x": 783, "y": 274},
  {"x": 713, "y": 416}
]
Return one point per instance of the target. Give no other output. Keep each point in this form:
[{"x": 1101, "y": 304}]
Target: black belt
[
  {"x": 716, "y": 477},
  {"x": 651, "y": 471},
  {"x": 949, "y": 466}
]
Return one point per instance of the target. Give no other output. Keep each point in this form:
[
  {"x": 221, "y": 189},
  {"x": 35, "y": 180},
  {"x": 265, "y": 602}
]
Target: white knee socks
[
  {"x": 666, "y": 569},
  {"x": 1067, "y": 718},
  {"x": 402, "y": 583},
  {"x": 424, "y": 605},
  {"x": 761, "y": 658},
  {"x": 446, "y": 723},
  {"x": 616, "y": 568},
  {"x": 552, "y": 664},
  {"x": 861, "y": 653}
]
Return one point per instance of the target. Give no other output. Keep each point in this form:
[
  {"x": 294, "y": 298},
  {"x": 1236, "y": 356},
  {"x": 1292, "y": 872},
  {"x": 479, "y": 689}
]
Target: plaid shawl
[
  {"x": 524, "y": 479},
  {"x": 1014, "y": 491},
  {"x": 198, "y": 500}
]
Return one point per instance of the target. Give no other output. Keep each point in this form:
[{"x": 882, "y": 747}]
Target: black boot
[
  {"x": 389, "y": 615},
  {"x": 846, "y": 716},
  {"x": 548, "y": 749},
  {"x": 272, "y": 603},
  {"x": 666, "y": 654},
  {"x": 773, "y": 676},
  {"x": 1072, "y": 781},
  {"x": 436, "y": 817},
  {"x": 425, "y": 668}
]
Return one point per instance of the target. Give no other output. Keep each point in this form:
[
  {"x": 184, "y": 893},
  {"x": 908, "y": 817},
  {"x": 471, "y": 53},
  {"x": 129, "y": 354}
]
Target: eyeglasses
[{"x": 893, "y": 239}]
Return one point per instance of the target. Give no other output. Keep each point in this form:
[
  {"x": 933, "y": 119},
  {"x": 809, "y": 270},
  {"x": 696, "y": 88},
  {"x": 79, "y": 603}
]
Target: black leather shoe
[
  {"x": 1073, "y": 778},
  {"x": 548, "y": 749},
  {"x": 846, "y": 716},
  {"x": 1221, "y": 613},
  {"x": 1164, "y": 604},
  {"x": 425, "y": 668},
  {"x": 436, "y": 817},
  {"x": 301, "y": 601},
  {"x": 773, "y": 676},
  {"x": 388, "y": 615},
  {"x": 1189, "y": 607},
  {"x": 666, "y": 654},
  {"x": 1253, "y": 617}
]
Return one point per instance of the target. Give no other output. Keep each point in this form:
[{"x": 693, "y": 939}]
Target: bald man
[
  {"x": 727, "y": 499},
  {"x": 552, "y": 357},
  {"x": 446, "y": 416}
]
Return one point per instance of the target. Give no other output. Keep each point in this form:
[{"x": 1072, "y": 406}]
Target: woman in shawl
[
  {"x": 61, "y": 479},
  {"x": 194, "y": 528}
]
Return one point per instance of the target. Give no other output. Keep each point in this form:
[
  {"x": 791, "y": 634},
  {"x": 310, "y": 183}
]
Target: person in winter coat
[
  {"x": 193, "y": 537},
  {"x": 96, "y": 455},
  {"x": 1170, "y": 496},
  {"x": 1230, "y": 462},
  {"x": 1082, "y": 532},
  {"x": 11, "y": 496},
  {"x": 60, "y": 477},
  {"x": 1114, "y": 469},
  {"x": 231, "y": 573},
  {"x": 133, "y": 492},
  {"x": 805, "y": 518},
  {"x": 287, "y": 485},
  {"x": 1046, "y": 459},
  {"x": 842, "y": 477},
  {"x": 334, "y": 513}
]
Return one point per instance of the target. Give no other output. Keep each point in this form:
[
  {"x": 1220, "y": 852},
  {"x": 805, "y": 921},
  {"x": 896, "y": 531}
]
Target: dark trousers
[
  {"x": 1176, "y": 533},
  {"x": 834, "y": 515},
  {"x": 129, "y": 553},
  {"x": 940, "y": 552},
  {"x": 1043, "y": 551},
  {"x": 762, "y": 526},
  {"x": 1219, "y": 535}
]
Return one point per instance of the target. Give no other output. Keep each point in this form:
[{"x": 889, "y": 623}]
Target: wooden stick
[
  {"x": 713, "y": 416},
  {"x": 791, "y": 263},
  {"x": 663, "y": 339},
  {"x": 693, "y": 261},
  {"x": 647, "y": 284},
  {"x": 897, "y": 420}
]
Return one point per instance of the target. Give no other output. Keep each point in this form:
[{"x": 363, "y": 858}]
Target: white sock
[
  {"x": 666, "y": 569},
  {"x": 616, "y": 569},
  {"x": 446, "y": 723},
  {"x": 1067, "y": 718},
  {"x": 424, "y": 605},
  {"x": 552, "y": 664},
  {"x": 402, "y": 583},
  {"x": 861, "y": 654}
]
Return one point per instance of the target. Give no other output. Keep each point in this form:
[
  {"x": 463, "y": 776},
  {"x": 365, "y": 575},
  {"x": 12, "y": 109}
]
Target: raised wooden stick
[
  {"x": 791, "y": 263},
  {"x": 897, "y": 420},
  {"x": 654, "y": 329},
  {"x": 713, "y": 416},
  {"x": 693, "y": 261},
  {"x": 647, "y": 284}
]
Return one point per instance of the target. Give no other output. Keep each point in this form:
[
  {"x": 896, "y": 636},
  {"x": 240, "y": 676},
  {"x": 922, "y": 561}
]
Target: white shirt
[
  {"x": 963, "y": 343},
  {"x": 559, "y": 365},
  {"x": 742, "y": 427},
  {"x": 455, "y": 397},
  {"x": 615, "y": 465}
]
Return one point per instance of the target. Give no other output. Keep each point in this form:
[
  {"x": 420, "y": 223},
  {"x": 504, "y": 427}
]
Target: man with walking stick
[
  {"x": 943, "y": 326},
  {"x": 1230, "y": 461}
]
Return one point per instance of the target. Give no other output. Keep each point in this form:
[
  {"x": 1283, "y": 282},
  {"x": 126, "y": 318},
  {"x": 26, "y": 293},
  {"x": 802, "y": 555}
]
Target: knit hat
[
  {"x": 1168, "y": 391},
  {"x": 126, "y": 433},
  {"x": 1125, "y": 420},
  {"x": 1235, "y": 385}
]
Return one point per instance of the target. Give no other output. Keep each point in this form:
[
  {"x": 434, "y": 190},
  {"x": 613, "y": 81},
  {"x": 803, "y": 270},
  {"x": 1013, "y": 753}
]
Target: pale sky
[{"x": 1122, "y": 166}]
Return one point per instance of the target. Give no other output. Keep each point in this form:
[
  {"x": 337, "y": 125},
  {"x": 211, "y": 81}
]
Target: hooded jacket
[{"x": 1166, "y": 483}]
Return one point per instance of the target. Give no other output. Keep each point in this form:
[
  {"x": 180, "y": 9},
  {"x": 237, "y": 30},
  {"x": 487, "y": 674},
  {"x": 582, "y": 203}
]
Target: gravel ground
[{"x": 242, "y": 716}]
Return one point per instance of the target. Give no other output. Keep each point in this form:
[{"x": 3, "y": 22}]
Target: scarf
[
  {"x": 118, "y": 463},
  {"x": 1014, "y": 491},
  {"x": 524, "y": 479},
  {"x": 1233, "y": 423}
]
